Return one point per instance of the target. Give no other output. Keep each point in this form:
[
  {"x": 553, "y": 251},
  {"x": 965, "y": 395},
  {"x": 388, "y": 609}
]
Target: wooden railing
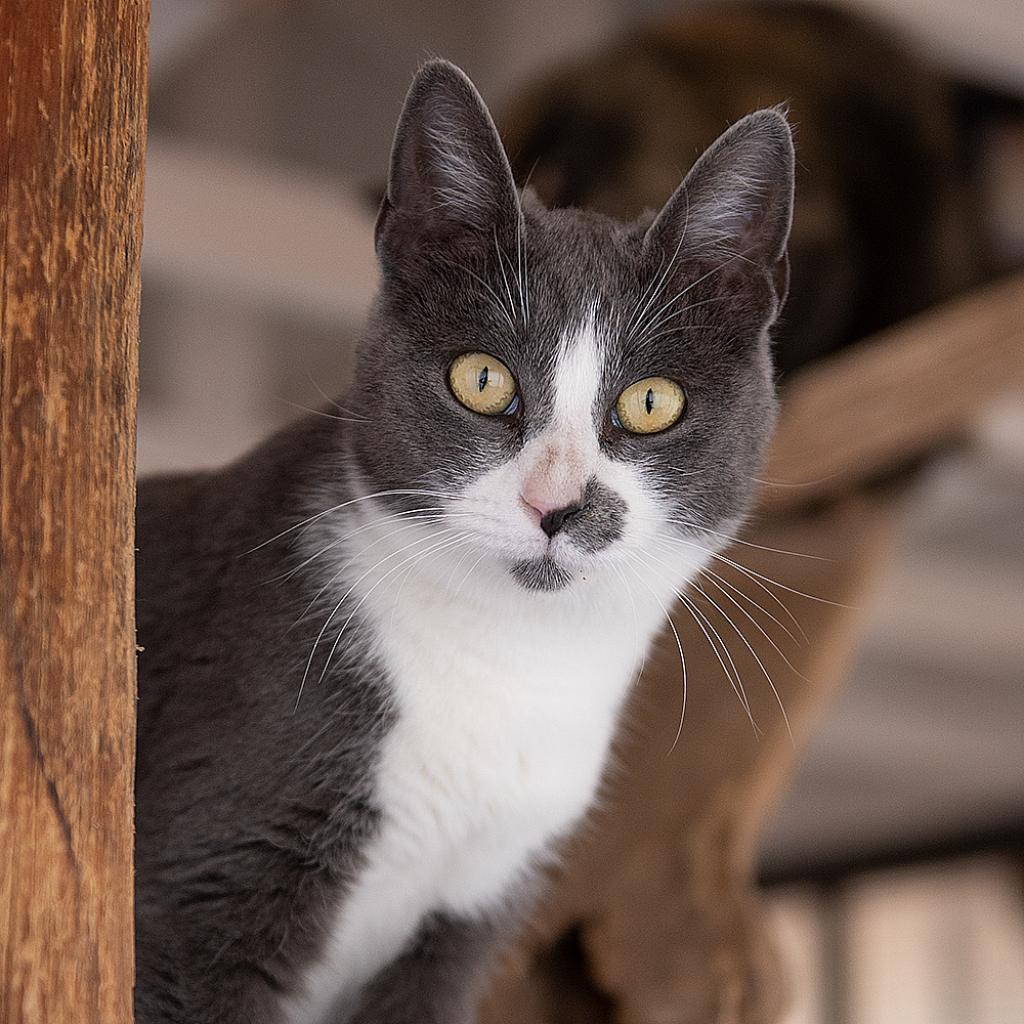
[{"x": 890, "y": 400}]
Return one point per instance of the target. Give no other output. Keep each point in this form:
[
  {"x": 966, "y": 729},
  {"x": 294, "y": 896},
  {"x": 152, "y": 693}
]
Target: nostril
[{"x": 557, "y": 518}]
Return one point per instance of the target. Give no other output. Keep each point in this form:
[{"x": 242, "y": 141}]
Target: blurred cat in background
[{"x": 887, "y": 219}]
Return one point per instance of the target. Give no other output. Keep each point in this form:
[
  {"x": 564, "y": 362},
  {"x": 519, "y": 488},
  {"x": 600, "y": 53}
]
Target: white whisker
[
  {"x": 421, "y": 514},
  {"x": 469, "y": 573},
  {"x": 679, "y": 647},
  {"x": 732, "y": 676},
  {"x": 345, "y": 597},
  {"x": 346, "y": 504},
  {"x": 721, "y": 582},
  {"x": 504, "y": 276},
  {"x": 754, "y": 654},
  {"x": 641, "y": 647},
  {"x": 499, "y": 304},
  {"x": 524, "y": 279},
  {"x": 347, "y": 413},
  {"x": 717, "y": 582},
  {"x": 415, "y": 558},
  {"x": 749, "y": 573}
]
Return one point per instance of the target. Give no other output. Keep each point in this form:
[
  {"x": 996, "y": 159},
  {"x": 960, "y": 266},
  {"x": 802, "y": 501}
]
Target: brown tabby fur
[{"x": 886, "y": 221}]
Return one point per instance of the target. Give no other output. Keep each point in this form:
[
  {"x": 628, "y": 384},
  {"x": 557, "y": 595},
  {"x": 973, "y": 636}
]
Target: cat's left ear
[
  {"x": 736, "y": 204},
  {"x": 449, "y": 174}
]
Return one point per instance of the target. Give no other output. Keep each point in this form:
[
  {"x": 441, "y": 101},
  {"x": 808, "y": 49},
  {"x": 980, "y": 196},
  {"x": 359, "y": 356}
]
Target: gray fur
[
  {"x": 255, "y": 808},
  {"x": 599, "y": 520},
  {"x": 438, "y": 979}
]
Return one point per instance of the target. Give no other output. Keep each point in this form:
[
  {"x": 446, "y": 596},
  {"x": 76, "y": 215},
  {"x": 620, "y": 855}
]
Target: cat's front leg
[{"x": 437, "y": 980}]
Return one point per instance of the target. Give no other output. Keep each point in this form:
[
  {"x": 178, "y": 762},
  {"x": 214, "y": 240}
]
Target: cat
[
  {"x": 385, "y": 654},
  {"x": 888, "y": 218}
]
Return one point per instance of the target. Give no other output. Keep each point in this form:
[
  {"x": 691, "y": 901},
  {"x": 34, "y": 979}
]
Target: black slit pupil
[
  {"x": 649, "y": 401},
  {"x": 481, "y": 380}
]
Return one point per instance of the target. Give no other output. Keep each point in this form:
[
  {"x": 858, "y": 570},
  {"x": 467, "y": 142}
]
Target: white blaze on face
[
  {"x": 553, "y": 468},
  {"x": 556, "y": 465}
]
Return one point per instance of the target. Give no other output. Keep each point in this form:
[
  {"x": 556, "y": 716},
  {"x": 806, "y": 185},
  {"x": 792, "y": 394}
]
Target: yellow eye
[
  {"x": 650, "y": 405},
  {"x": 482, "y": 383}
]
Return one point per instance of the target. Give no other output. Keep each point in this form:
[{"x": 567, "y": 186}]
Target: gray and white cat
[{"x": 385, "y": 654}]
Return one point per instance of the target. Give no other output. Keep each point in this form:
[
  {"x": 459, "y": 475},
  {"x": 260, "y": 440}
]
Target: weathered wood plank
[
  {"x": 894, "y": 397},
  {"x": 72, "y": 134}
]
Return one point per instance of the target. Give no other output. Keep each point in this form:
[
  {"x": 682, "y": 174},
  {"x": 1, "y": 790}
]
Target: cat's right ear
[
  {"x": 449, "y": 174},
  {"x": 736, "y": 204}
]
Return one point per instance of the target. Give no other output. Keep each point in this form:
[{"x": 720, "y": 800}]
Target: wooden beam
[
  {"x": 72, "y": 134},
  {"x": 893, "y": 398}
]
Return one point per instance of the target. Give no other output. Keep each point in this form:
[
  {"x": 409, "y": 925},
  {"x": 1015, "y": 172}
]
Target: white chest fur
[{"x": 506, "y": 707}]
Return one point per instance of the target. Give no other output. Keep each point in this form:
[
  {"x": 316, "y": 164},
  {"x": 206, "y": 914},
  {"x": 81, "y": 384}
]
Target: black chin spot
[{"x": 541, "y": 574}]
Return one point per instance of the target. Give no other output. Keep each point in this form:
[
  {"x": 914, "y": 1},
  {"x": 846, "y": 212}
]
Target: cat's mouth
[{"x": 541, "y": 574}]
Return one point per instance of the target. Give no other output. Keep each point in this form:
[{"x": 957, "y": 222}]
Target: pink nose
[
  {"x": 550, "y": 505},
  {"x": 544, "y": 495},
  {"x": 539, "y": 505}
]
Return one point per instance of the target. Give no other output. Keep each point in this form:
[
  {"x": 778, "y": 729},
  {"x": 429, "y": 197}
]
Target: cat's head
[{"x": 569, "y": 390}]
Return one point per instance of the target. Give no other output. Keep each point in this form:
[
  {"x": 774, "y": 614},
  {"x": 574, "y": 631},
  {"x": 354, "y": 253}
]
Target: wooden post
[{"x": 72, "y": 136}]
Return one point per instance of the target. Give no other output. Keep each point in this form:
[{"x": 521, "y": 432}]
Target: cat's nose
[
  {"x": 554, "y": 520},
  {"x": 551, "y": 499},
  {"x": 551, "y": 516}
]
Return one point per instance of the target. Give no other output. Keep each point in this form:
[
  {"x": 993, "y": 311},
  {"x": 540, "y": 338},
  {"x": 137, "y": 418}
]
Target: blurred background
[{"x": 895, "y": 865}]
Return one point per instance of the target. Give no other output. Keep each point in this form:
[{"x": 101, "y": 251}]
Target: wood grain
[
  {"x": 72, "y": 134},
  {"x": 893, "y": 398}
]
